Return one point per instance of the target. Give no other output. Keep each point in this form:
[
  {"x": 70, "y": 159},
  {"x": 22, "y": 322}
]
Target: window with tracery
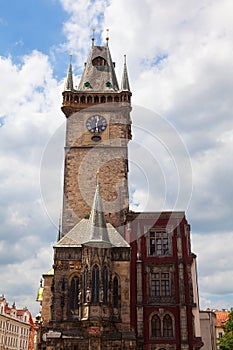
[
  {"x": 161, "y": 326},
  {"x": 95, "y": 285}
]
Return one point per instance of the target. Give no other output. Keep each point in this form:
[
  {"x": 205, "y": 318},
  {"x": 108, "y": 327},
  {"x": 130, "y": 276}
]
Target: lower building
[
  {"x": 86, "y": 296},
  {"x": 221, "y": 318},
  {"x": 164, "y": 295},
  {"x": 208, "y": 330},
  {"x": 16, "y": 327}
]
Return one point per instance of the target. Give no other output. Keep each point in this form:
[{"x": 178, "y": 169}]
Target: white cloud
[{"x": 29, "y": 98}]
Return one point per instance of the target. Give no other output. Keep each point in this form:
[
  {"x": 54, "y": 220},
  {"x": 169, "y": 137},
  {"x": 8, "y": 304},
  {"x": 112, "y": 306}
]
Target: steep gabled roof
[
  {"x": 81, "y": 234},
  {"x": 99, "y": 73}
]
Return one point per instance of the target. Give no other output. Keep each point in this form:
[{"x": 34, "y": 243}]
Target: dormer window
[
  {"x": 108, "y": 84},
  {"x": 87, "y": 84},
  {"x": 99, "y": 61}
]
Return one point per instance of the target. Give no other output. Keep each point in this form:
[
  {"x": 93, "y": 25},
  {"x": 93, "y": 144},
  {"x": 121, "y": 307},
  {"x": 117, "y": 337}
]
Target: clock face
[{"x": 96, "y": 124}]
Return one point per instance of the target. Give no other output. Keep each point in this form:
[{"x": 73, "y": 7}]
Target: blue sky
[{"x": 179, "y": 59}]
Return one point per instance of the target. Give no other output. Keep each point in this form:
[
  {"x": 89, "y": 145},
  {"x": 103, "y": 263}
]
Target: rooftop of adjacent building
[{"x": 221, "y": 317}]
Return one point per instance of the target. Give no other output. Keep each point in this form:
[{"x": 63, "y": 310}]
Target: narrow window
[
  {"x": 167, "y": 327},
  {"x": 85, "y": 279},
  {"x": 105, "y": 284},
  {"x": 115, "y": 292},
  {"x": 74, "y": 293},
  {"x": 95, "y": 285},
  {"x": 155, "y": 327}
]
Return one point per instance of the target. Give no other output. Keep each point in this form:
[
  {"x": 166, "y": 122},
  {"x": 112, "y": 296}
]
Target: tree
[{"x": 226, "y": 342}]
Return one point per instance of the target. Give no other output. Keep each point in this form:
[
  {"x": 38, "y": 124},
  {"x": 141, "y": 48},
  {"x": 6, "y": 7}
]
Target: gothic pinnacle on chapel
[
  {"x": 99, "y": 232},
  {"x": 69, "y": 79},
  {"x": 125, "y": 79}
]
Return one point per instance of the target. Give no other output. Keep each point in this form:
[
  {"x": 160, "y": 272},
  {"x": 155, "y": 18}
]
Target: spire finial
[
  {"x": 93, "y": 37},
  {"x": 97, "y": 177},
  {"x": 107, "y": 36},
  {"x": 71, "y": 57}
]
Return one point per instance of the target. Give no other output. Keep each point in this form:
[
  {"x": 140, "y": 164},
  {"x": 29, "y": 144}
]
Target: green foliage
[{"x": 226, "y": 342}]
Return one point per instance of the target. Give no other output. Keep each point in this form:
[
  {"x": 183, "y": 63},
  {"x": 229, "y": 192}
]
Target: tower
[
  {"x": 98, "y": 131},
  {"x": 86, "y": 295}
]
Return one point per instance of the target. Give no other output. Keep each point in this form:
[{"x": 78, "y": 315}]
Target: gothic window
[
  {"x": 155, "y": 327},
  {"x": 158, "y": 243},
  {"x": 74, "y": 293},
  {"x": 161, "y": 326},
  {"x": 167, "y": 326},
  {"x": 85, "y": 281},
  {"x": 115, "y": 292},
  {"x": 160, "y": 284},
  {"x": 95, "y": 285},
  {"x": 105, "y": 284}
]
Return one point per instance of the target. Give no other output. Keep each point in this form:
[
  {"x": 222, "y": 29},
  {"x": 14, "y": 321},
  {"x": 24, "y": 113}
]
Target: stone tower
[
  {"x": 86, "y": 296},
  {"x": 98, "y": 131}
]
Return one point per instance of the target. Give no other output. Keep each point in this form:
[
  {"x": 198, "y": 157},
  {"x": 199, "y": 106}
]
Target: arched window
[
  {"x": 74, "y": 293},
  {"x": 105, "y": 284},
  {"x": 167, "y": 326},
  {"x": 85, "y": 279},
  {"x": 95, "y": 285},
  {"x": 115, "y": 292},
  {"x": 155, "y": 327}
]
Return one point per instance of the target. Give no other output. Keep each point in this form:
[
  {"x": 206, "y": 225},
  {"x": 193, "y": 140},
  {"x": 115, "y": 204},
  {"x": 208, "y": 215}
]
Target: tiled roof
[
  {"x": 221, "y": 317},
  {"x": 81, "y": 233}
]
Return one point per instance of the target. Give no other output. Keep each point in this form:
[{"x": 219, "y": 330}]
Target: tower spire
[
  {"x": 99, "y": 233},
  {"x": 69, "y": 79},
  {"x": 125, "y": 79}
]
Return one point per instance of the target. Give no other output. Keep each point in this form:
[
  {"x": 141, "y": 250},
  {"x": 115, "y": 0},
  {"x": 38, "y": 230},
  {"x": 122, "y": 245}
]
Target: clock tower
[{"x": 97, "y": 135}]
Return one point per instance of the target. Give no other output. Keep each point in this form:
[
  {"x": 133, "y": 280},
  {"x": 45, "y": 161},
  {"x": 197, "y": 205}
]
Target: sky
[{"x": 179, "y": 58}]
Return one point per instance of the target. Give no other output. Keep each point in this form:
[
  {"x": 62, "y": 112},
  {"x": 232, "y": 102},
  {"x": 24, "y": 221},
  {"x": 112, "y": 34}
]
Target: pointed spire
[
  {"x": 125, "y": 79},
  {"x": 99, "y": 233},
  {"x": 69, "y": 79}
]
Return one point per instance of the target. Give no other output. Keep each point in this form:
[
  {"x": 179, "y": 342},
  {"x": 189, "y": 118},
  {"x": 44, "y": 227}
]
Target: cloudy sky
[{"x": 179, "y": 57}]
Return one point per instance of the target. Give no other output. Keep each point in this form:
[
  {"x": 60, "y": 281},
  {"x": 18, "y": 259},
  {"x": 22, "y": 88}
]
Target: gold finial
[
  {"x": 107, "y": 37},
  {"x": 93, "y": 37}
]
